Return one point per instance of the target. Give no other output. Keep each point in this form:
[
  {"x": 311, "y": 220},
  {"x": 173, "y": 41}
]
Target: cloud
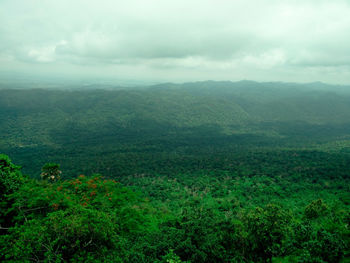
[{"x": 212, "y": 39}]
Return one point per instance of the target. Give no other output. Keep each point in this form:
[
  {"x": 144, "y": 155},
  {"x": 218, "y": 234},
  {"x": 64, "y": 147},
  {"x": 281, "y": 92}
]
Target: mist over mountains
[
  {"x": 132, "y": 131},
  {"x": 172, "y": 118}
]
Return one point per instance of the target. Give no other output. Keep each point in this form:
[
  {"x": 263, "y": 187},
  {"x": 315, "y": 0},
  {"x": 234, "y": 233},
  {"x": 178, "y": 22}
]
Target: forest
[{"x": 194, "y": 172}]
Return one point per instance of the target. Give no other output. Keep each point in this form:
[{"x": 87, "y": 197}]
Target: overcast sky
[{"x": 178, "y": 40}]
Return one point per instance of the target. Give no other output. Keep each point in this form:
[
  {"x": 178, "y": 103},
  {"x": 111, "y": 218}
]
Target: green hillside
[
  {"x": 193, "y": 172},
  {"x": 167, "y": 120}
]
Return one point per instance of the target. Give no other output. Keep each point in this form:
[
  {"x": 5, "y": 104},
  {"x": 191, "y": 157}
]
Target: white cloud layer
[{"x": 166, "y": 40}]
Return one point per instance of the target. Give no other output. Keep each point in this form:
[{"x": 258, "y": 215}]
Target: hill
[
  {"x": 191, "y": 119},
  {"x": 193, "y": 172}
]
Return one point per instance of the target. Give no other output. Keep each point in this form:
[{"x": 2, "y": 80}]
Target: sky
[{"x": 177, "y": 40}]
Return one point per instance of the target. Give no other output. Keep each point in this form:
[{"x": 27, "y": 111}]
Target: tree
[
  {"x": 10, "y": 175},
  {"x": 51, "y": 172},
  {"x": 267, "y": 229},
  {"x": 315, "y": 209},
  {"x": 11, "y": 179}
]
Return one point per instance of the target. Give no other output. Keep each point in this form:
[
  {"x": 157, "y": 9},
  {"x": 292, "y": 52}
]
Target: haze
[{"x": 155, "y": 41}]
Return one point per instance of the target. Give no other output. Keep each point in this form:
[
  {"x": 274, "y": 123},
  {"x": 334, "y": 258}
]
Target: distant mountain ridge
[
  {"x": 244, "y": 105},
  {"x": 190, "y": 119}
]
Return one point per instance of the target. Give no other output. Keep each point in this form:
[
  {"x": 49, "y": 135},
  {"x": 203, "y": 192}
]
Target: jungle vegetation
[{"x": 194, "y": 172}]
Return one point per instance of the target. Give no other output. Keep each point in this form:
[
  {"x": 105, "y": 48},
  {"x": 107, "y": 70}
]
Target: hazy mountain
[{"x": 170, "y": 118}]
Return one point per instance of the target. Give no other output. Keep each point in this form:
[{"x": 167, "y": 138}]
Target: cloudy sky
[{"x": 178, "y": 40}]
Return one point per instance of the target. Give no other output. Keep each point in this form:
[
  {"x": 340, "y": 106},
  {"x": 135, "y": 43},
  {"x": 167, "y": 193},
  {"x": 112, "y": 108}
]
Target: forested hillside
[
  {"x": 168, "y": 122},
  {"x": 194, "y": 172}
]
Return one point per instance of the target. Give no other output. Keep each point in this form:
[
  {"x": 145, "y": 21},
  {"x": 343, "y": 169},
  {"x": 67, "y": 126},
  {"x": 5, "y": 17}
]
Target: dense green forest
[{"x": 194, "y": 172}]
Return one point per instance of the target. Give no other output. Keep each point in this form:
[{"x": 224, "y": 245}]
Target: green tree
[
  {"x": 51, "y": 172},
  {"x": 315, "y": 209},
  {"x": 87, "y": 219},
  {"x": 267, "y": 229},
  {"x": 11, "y": 179}
]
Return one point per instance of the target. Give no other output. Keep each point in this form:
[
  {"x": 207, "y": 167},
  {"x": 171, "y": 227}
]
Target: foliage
[
  {"x": 268, "y": 229},
  {"x": 51, "y": 172},
  {"x": 171, "y": 257},
  {"x": 212, "y": 172},
  {"x": 198, "y": 218},
  {"x": 315, "y": 209},
  {"x": 87, "y": 217},
  {"x": 10, "y": 177}
]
